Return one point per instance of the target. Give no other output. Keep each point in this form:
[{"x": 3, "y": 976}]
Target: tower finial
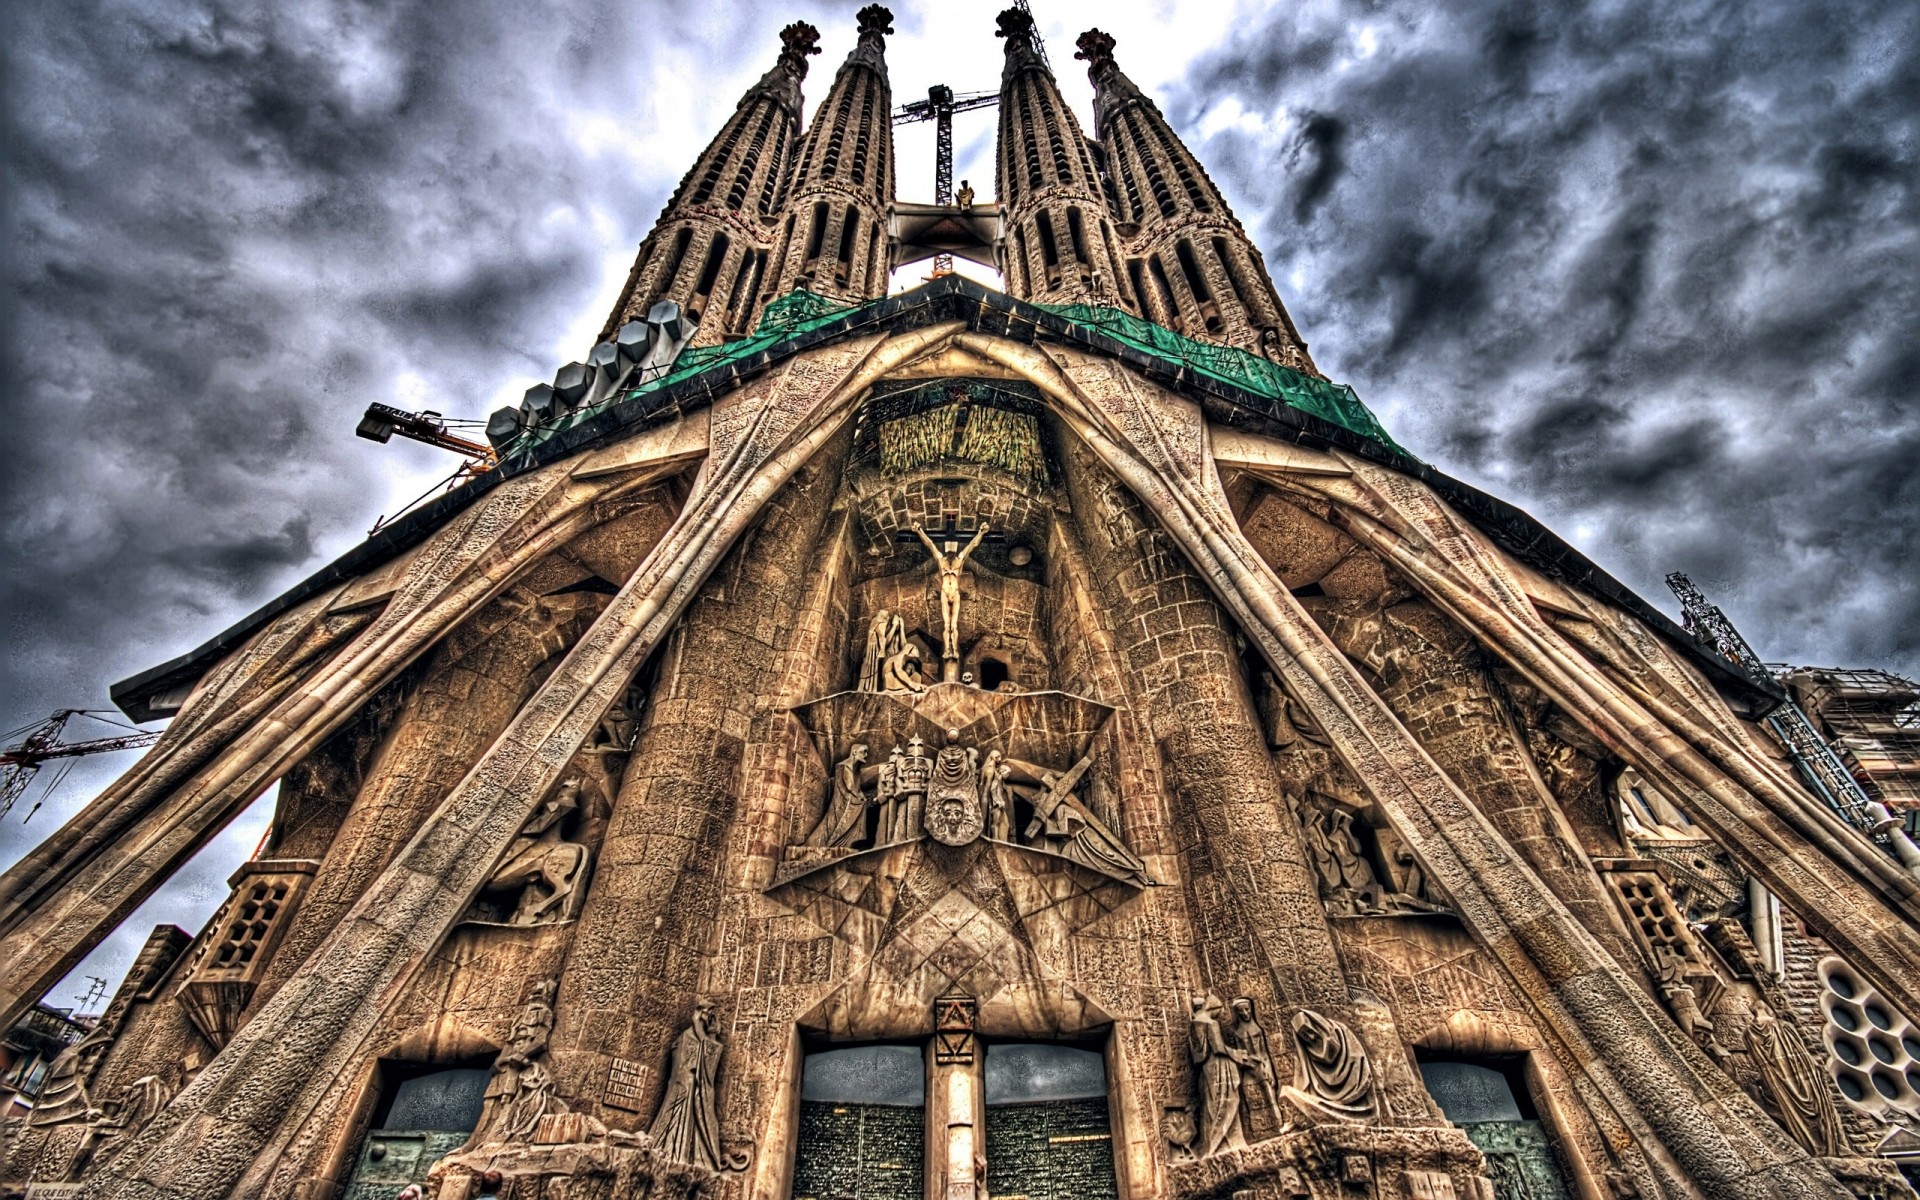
[
  {"x": 797, "y": 41},
  {"x": 1016, "y": 24},
  {"x": 1096, "y": 50},
  {"x": 876, "y": 20}
]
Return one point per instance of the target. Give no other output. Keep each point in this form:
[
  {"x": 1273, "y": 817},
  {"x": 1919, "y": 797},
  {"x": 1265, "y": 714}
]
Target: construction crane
[
  {"x": 1818, "y": 765},
  {"x": 381, "y": 422},
  {"x": 939, "y": 106},
  {"x": 20, "y": 762}
]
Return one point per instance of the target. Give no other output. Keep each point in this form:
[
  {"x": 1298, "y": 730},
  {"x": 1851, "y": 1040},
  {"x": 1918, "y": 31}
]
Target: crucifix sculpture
[{"x": 950, "y": 565}]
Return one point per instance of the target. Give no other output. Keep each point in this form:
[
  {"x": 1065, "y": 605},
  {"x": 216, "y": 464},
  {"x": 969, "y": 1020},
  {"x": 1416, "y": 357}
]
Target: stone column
[
  {"x": 639, "y": 949},
  {"x": 956, "y": 1128},
  {"x": 475, "y": 683},
  {"x": 1246, "y": 874}
]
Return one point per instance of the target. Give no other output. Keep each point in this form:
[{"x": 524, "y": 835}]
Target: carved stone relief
[
  {"x": 686, "y": 1128},
  {"x": 521, "y": 1091},
  {"x": 1363, "y": 871},
  {"x": 541, "y": 878}
]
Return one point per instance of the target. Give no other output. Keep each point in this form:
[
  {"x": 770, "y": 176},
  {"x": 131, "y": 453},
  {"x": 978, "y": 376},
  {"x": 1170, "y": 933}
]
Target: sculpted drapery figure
[
  {"x": 687, "y": 1127},
  {"x": 890, "y": 662},
  {"x": 993, "y": 792},
  {"x": 521, "y": 1090},
  {"x": 950, "y": 566},
  {"x": 845, "y": 819},
  {"x": 1217, "y": 1068},
  {"x": 1801, "y": 1096},
  {"x": 1332, "y": 1077},
  {"x": 1064, "y": 825}
]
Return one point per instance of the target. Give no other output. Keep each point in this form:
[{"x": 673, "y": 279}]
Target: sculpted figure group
[
  {"x": 1332, "y": 1078},
  {"x": 954, "y": 797}
]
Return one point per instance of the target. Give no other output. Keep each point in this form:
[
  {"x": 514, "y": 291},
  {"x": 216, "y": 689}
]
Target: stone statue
[
  {"x": 950, "y": 569},
  {"x": 686, "y": 1129},
  {"x": 1246, "y": 1036},
  {"x": 522, "y": 1088},
  {"x": 620, "y": 728},
  {"x": 846, "y": 817},
  {"x": 1217, "y": 1067},
  {"x": 953, "y": 810},
  {"x": 994, "y": 798},
  {"x": 901, "y": 671},
  {"x": 541, "y": 866},
  {"x": 1333, "y": 1077},
  {"x": 1801, "y": 1096},
  {"x": 1114, "y": 518},
  {"x": 63, "y": 1096},
  {"x": 873, "y": 661},
  {"x": 1062, "y": 824}
]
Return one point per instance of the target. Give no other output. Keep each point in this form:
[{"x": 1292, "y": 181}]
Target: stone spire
[
  {"x": 1192, "y": 264},
  {"x": 834, "y": 238},
  {"x": 708, "y": 251},
  {"x": 1061, "y": 246}
]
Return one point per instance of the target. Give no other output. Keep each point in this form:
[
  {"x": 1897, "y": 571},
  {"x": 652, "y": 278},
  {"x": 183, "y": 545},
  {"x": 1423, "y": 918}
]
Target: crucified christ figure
[{"x": 950, "y": 569}]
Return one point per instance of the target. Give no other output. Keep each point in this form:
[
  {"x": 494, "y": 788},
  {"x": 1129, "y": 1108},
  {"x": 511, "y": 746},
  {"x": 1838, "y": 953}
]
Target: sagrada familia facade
[{"x": 1047, "y": 742}]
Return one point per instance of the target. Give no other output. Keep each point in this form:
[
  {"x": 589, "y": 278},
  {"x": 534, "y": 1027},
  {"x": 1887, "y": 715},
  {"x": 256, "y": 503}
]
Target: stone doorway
[
  {"x": 424, "y": 1114},
  {"x": 862, "y": 1125},
  {"x": 1049, "y": 1136},
  {"x": 1488, "y": 1099}
]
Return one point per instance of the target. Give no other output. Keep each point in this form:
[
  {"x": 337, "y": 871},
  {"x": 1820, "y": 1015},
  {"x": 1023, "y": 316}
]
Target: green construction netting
[
  {"x": 800, "y": 310},
  {"x": 1335, "y": 402},
  {"x": 789, "y": 316}
]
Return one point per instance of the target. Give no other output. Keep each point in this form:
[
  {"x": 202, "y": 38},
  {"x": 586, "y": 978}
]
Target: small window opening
[
  {"x": 1197, "y": 283},
  {"x": 816, "y": 235},
  {"x": 993, "y": 673}
]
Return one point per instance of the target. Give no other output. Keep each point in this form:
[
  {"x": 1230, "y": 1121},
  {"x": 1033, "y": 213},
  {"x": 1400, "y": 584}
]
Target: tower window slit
[
  {"x": 1163, "y": 287},
  {"x": 1139, "y": 286},
  {"x": 816, "y": 235},
  {"x": 709, "y": 273},
  {"x": 1197, "y": 284},
  {"x": 675, "y": 256},
  {"x": 1020, "y": 276},
  {"x": 739, "y": 293},
  {"x": 1049, "y": 251},
  {"x": 876, "y": 268},
  {"x": 849, "y": 231},
  {"x": 1077, "y": 235}
]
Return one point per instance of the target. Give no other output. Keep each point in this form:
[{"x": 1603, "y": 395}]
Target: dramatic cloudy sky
[{"x": 1645, "y": 267}]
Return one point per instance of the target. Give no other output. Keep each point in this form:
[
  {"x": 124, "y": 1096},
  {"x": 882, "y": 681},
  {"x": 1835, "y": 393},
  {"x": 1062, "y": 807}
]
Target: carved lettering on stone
[{"x": 628, "y": 1085}]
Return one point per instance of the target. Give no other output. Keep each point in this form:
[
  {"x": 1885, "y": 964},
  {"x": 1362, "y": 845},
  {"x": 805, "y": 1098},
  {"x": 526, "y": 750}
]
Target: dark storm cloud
[
  {"x": 230, "y": 226},
  {"x": 1649, "y": 269}
]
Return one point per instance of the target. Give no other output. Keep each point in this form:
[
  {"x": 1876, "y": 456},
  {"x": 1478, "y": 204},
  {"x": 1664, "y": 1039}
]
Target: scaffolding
[
  {"x": 1871, "y": 718},
  {"x": 1820, "y": 767}
]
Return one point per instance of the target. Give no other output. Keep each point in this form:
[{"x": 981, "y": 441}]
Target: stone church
[{"x": 1046, "y": 742}]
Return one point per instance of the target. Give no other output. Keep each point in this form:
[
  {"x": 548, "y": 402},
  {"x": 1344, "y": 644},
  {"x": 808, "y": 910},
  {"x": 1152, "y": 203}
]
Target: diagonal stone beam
[
  {"x": 1157, "y": 444},
  {"x": 225, "y": 1133},
  {"x": 239, "y": 736},
  {"x": 1764, "y": 823}
]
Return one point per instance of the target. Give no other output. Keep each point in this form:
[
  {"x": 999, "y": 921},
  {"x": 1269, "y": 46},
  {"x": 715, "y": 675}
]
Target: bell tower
[
  {"x": 1061, "y": 246},
  {"x": 708, "y": 251},
  {"x": 834, "y": 239},
  {"x": 1188, "y": 259}
]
